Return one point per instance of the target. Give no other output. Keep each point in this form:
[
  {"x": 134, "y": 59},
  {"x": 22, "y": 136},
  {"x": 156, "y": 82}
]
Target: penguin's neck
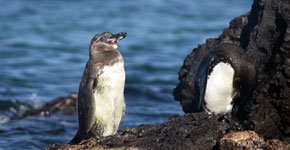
[{"x": 219, "y": 89}]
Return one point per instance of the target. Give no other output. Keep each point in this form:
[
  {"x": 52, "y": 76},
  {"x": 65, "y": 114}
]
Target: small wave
[
  {"x": 10, "y": 109},
  {"x": 4, "y": 119}
]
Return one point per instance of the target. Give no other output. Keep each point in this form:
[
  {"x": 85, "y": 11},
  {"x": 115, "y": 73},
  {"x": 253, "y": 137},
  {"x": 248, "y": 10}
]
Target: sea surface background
[{"x": 44, "y": 49}]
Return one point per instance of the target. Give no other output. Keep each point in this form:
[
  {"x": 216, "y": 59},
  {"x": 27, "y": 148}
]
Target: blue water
[{"x": 44, "y": 48}]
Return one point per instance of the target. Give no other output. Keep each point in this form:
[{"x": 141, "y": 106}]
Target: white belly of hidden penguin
[
  {"x": 219, "y": 89},
  {"x": 224, "y": 81},
  {"x": 109, "y": 96}
]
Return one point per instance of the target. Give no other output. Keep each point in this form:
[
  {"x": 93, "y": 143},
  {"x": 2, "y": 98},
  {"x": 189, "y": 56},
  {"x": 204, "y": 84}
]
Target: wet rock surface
[{"x": 264, "y": 33}]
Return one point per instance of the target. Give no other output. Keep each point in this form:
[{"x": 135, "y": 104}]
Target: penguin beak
[
  {"x": 115, "y": 38},
  {"x": 120, "y": 36}
]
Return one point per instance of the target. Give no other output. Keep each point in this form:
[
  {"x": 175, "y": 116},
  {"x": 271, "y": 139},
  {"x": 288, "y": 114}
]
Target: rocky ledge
[{"x": 265, "y": 35}]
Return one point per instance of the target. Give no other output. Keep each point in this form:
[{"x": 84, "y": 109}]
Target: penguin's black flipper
[
  {"x": 85, "y": 106},
  {"x": 200, "y": 81}
]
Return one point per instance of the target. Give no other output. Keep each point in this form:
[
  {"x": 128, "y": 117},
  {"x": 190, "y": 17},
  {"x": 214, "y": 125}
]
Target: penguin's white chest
[
  {"x": 219, "y": 89},
  {"x": 109, "y": 97}
]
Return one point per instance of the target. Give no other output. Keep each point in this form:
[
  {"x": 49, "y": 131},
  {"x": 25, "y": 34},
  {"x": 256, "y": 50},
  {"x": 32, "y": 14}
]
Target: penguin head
[{"x": 106, "y": 41}]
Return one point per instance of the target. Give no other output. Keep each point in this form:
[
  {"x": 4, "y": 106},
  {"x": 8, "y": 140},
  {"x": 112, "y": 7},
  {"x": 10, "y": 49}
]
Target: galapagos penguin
[
  {"x": 101, "y": 102},
  {"x": 225, "y": 79}
]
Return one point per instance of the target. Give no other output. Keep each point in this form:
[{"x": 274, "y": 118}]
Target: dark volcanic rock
[
  {"x": 267, "y": 39},
  {"x": 265, "y": 34},
  {"x": 192, "y": 131}
]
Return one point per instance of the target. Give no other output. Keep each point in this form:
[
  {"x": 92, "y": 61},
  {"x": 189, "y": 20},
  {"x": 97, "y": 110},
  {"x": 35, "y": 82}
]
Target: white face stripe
[
  {"x": 219, "y": 89},
  {"x": 115, "y": 46}
]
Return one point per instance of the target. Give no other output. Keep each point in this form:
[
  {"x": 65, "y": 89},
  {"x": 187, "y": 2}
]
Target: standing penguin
[
  {"x": 101, "y": 103},
  {"x": 225, "y": 79}
]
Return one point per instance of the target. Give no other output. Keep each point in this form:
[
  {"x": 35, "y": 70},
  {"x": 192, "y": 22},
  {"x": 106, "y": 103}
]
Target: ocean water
[{"x": 44, "y": 49}]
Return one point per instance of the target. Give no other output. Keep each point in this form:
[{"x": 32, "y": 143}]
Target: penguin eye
[{"x": 103, "y": 39}]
